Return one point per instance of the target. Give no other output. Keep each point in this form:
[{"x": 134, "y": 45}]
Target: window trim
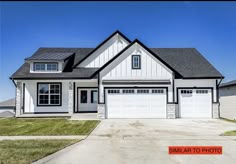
[
  {"x": 45, "y": 64},
  {"x": 51, "y": 105},
  {"x": 132, "y": 63}
]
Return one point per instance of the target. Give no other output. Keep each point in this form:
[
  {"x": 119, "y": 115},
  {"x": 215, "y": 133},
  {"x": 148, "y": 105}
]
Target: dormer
[{"x": 48, "y": 62}]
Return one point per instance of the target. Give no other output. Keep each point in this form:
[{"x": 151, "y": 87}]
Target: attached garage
[
  {"x": 195, "y": 103},
  {"x": 136, "y": 103}
]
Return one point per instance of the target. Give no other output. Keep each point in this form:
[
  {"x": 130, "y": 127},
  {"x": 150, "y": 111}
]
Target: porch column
[
  {"x": 18, "y": 98},
  {"x": 70, "y": 98}
]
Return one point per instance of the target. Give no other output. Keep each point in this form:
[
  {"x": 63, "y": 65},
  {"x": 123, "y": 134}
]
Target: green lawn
[
  {"x": 27, "y": 151},
  {"x": 230, "y": 133},
  {"x": 30, "y": 127}
]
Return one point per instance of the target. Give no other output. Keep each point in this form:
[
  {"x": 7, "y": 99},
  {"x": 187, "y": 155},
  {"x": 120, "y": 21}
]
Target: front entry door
[{"x": 87, "y": 99}]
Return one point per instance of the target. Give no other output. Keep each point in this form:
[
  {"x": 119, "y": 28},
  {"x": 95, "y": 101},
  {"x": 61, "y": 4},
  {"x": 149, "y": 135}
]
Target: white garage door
[
  {"x": 195, "y": 103},
  {"x": 136, "y": 103}
]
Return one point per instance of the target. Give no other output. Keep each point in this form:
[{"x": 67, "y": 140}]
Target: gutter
[{"x": 13, "y": 81}]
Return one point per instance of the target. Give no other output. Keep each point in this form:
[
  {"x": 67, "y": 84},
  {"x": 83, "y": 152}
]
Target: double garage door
[
  {"x": 152, "y": 102},
  {"x": 136, "y": 103}
]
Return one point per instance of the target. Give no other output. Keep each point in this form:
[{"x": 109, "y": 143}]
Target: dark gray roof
[
  {"x": 46, "y": 53},
  {"x": 188, "y": 62},
  {"x": 8, "y": 103},
  {"x": 77, "y": 73},
  {"x": 57, "y": 56},
  {"x": 228, "y": 84}
]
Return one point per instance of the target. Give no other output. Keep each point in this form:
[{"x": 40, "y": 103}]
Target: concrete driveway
[{"x": 121, "y": 141}]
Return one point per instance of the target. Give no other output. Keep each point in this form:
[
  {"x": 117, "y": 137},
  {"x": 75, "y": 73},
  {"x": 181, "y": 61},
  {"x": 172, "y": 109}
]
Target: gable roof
[
  {"x": 228, "y": 84},
  {"x": 186, "y": 63},
  {"x": 8, "y": 103},
  {"x": 126, "y": 48},
  {"x": 101, "y": 44}
]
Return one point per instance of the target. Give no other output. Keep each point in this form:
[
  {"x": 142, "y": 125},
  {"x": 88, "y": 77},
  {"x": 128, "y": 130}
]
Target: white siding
[
  {"x": 228, "y": 102},
  {"x": 31, "y": 97},
  {"x": 105, "y": 52},
  {"x": 151, "y": 69},
  {"x": 196, "y": 83},
  {"x": 83, "y": 83}
]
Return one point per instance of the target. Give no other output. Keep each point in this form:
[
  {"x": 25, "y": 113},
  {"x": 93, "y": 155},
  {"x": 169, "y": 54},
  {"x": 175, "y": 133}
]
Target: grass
[
  {"x": 28, "y": 151},
  {"x": 225, "y": 119},
  {"x": 47, "y": 127},
  {"x": 230, "y": 133}
]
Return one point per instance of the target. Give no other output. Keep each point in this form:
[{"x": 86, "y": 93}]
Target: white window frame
[{"x": 45, "y": 64}]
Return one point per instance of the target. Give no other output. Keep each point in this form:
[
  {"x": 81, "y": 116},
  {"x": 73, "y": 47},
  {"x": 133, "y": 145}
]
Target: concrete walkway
[
  {"x": 146, "y": 141},
  {"x": 80, "y": 137}
]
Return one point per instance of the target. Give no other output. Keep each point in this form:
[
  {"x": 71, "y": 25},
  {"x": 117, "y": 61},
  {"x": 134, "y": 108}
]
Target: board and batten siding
[
  {"x": 105, "y": 52},
  {"x": 151, "y": 69},
  {"x": 30, "y": 99},
  {"x": 228, "y": 102}
]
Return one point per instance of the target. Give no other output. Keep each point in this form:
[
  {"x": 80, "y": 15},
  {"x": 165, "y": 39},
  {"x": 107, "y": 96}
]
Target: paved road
[{"x": 146, "y": 141}]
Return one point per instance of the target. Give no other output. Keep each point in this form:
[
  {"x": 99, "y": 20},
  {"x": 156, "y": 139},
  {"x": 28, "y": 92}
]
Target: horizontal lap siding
[{"x": 228, "y": 102}]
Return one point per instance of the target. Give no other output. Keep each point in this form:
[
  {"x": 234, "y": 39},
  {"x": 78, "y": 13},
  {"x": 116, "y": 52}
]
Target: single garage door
[
  {"x": 136, "y": 103},
  {"x": 195, "y": 103}
]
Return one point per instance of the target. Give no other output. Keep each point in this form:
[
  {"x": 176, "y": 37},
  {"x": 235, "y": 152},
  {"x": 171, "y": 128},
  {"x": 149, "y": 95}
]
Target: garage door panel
[
  {"x": 136, "y": 105},
  {"x": 195, "y": 103}
]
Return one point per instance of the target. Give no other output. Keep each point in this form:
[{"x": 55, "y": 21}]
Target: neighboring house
[
  {"x": 228, "y": 100},
  {"x": 7, "y": 107},
  {"x": 117, "y": 79}
]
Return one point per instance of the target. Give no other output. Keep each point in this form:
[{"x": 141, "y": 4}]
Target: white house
[
  {"x": 118, "y": 79},
  {"x": 228, "y": 100}
]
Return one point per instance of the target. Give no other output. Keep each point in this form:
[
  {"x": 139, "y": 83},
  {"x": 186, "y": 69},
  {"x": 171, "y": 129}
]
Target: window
[
  {"x": 128, "y": 91},
  {"x": 83, "y": 96},
  {"x": 49, "y": 94},
  {"x": 157, "y": 91},
  {"x": 202, "y": 91},
  {"x": 186, "y": 91},
  {"x": 45, "y": 67},
  {"x": 142, "y": 91},
  {"x": 113, "y": 91},
  {"x": 94, "y": 96},
  {"x": 136, "y": 62}
]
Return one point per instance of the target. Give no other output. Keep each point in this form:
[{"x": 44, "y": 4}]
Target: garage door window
[
  {"x": 142, "y": 91},
  {"x": 113, "y": 91},
  {"x": 202, "y": 91},
  {"x": 186, "y": 91},
  {"x": 128, "y": 91},
  {"x": 157, "y": 91}
]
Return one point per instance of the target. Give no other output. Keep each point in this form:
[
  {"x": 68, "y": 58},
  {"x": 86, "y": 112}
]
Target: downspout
[{"x": 219, "y": 95}]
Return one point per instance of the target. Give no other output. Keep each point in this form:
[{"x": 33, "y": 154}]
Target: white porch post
[{"x": 70, "y": 98}]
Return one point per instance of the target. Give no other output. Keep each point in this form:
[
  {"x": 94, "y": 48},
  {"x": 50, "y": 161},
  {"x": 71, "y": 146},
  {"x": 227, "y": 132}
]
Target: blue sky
[{"x": 25, "y": 26}]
